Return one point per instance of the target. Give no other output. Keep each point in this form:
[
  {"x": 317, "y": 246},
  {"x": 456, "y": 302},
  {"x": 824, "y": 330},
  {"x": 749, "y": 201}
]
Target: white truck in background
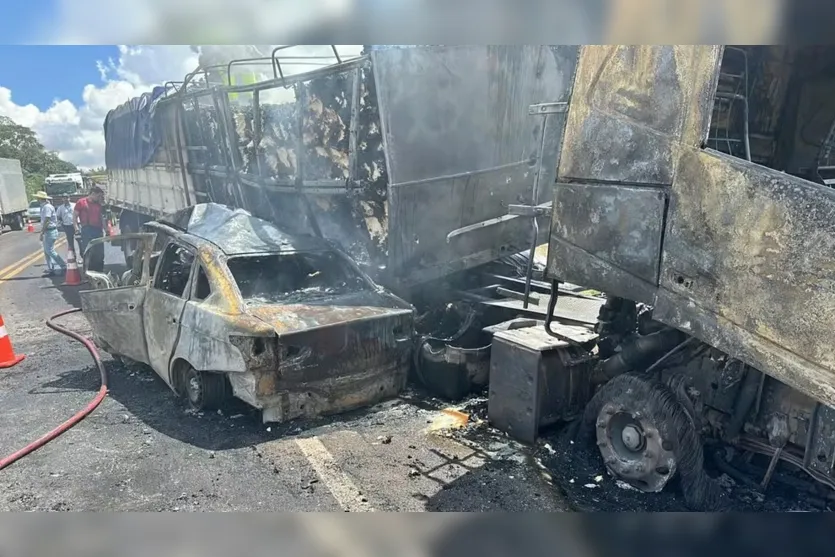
[
  {"x": 71, "y": 183},
  {"x": 13, "y": 202}
]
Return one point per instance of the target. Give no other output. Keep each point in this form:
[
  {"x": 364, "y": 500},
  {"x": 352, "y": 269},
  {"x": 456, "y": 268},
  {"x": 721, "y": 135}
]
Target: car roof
[{"x": 237, "y": 232}]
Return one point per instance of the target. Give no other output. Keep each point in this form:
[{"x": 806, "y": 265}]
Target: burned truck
[
  {"x": 693, "y": 189},
  {"x": 407, "y": 157}
]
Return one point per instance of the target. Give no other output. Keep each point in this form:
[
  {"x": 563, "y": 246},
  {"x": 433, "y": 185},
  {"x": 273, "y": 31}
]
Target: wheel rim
[
  {"x": 633, "y": 448},
  {"x": 194, "y": 388}
]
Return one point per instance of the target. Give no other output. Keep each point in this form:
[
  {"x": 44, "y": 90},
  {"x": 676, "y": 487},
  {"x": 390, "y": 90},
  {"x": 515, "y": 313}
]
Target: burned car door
[
  {"x": 114, "y": 308},
  {"x": 632, "y": 111},
  {"x": 164, "y": 304}
]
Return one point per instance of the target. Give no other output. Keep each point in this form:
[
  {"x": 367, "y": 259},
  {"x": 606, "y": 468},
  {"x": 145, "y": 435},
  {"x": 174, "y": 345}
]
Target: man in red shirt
[{"x": 88, "y": 216}]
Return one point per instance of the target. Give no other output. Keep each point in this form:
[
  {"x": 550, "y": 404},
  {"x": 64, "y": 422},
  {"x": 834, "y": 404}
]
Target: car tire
[{"x": 204, "y": 390}]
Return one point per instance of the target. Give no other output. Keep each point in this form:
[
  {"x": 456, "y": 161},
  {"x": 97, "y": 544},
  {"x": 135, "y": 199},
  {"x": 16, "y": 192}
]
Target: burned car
[{"x": 221, "y": 303}]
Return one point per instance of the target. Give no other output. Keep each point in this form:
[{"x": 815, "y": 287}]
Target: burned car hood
[{"x": 296, "y": 317}]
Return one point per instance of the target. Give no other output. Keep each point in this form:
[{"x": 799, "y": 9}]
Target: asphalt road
[{"x": 142, "y": 450}]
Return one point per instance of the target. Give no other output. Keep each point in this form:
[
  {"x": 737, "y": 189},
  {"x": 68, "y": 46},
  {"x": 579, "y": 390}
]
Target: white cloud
[{"x": 75, "y": 132}]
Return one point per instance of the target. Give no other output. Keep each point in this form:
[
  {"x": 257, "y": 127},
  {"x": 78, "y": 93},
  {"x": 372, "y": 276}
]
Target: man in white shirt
[
  {"x": 66, "y": 219},
  {"x": 49, "y": 235}
]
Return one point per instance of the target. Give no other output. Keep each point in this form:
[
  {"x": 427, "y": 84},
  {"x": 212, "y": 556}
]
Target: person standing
[
  {"x": 49, "y": 235},
  {"x": 88, "y": 214},
  {"x": 66, "y": 220}
]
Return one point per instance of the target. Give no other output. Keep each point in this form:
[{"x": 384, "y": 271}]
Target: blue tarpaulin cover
[{"x": 131, "y": 135}]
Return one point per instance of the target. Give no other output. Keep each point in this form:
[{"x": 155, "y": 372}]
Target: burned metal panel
[
  {"x": 536, "y": 379},
  {"x": 820, "y": 452},
  {"x": 747, "y": 266},
  {"x": 116, "y": 318},
  {"x": 607, "y": 237},
  {"x": 371, "y": 385},
  {"x": 631, "y": 108},
  {"x": 161, "y": 319},
  {"x": 295, "y": 318},
  {"x": 427, "y": 212},
  {"x": 461, "y": 147},
  {"x": 204, "y": 339},
  {"x": 332, "y": 368}
]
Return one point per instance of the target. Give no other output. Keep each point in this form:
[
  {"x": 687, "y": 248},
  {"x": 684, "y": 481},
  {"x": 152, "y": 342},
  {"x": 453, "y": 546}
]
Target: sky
[{"x": 63, "y": 91}]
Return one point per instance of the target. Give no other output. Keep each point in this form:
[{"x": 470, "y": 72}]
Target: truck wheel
[
  {"x": 17, "y": 223},
  {"x": 204, "y": 390},
  {"x": 645, "y": 437}
]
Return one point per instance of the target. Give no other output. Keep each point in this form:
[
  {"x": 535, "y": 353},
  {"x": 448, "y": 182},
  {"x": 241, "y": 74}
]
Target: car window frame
[
  {"x": 186, "y": 294},
  {"x": 195, "y": 273}
]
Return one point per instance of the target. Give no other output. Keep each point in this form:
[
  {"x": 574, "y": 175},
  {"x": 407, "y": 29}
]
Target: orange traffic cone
[
  {"x": 73, "y": 276},
  {"x": 30, "y": 227},
  {"x": 7, "y": 355},
  {"x": 110, "y": 230}
]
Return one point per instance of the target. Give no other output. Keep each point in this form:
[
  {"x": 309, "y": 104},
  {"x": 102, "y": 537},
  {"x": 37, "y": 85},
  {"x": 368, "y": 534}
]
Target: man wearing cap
[
  {"x": 49, "y": 235},
  {"x": 88, "y": 214}
]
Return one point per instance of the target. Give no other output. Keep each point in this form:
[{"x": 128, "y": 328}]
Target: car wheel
[
  {"x": 17, "y": 223},
  {"x": 204, "y": 390}
]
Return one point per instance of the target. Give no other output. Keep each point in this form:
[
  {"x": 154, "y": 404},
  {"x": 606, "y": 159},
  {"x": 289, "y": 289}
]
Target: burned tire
[
  {"x": 204, "y": 390},
  {"x": 646, "y": 437}
]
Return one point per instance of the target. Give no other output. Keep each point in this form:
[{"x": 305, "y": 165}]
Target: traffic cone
[
  {"x": 73, "y": 276},
  {"x": 30, "y": 227},
  {"x": 7, "y": 355},
  {"x": 110, "y": 230}
]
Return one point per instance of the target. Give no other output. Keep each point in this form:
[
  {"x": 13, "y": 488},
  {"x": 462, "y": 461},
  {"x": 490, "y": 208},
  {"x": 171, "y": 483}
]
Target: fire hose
[{"x": 86, "y": 411}]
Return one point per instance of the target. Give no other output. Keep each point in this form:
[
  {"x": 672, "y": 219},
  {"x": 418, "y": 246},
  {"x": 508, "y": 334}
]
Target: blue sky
[
  {"x": 40, "y": 74},
  {"x": 21, "y": 18}
]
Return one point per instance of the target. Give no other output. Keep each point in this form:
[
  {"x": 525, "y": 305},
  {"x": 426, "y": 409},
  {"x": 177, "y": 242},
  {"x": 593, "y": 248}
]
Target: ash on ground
[
  {"x": 580, "y": 473},
  {"x": 580, "y": 476}
]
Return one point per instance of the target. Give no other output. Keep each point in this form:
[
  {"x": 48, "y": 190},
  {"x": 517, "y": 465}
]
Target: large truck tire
[
  {"x": 646, "y": 436},
  {"x": 16, "y": 222}
]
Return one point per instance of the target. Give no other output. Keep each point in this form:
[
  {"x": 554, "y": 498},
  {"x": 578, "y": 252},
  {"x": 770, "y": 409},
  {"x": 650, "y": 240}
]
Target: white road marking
[{"x": 338, "y": 483}]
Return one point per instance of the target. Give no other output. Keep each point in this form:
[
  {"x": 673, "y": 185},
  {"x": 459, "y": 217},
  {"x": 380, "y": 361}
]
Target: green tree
[{"x": 21, "y": 143}]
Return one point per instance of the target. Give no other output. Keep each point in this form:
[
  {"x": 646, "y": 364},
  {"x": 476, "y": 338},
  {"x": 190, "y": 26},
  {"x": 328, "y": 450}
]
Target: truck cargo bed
[{"x": 408, "y": 157}]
